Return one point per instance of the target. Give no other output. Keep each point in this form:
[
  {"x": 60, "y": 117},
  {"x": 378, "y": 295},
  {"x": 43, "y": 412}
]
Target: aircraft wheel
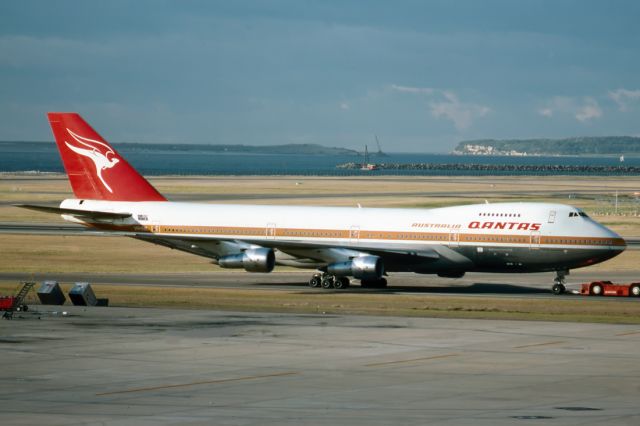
[
  {"x": 561, "y": 277},
  {"x": 558, "y": 289},
  {"x": 315, "y": 281},
  {"x": 341, "y": 283},
  {"x": 596, "y": 290},
  {"x": 328, "y": 281},
  {"x": 635, "y": 290}
]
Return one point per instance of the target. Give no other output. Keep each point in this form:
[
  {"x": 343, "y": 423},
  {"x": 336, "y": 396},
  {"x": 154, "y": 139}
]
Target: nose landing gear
[{"x": 559, "y": 282}]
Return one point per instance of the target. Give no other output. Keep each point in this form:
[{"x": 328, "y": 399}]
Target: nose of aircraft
[
  {"x": 609, "y": 243},
  {"x": 616, "y": 241}
]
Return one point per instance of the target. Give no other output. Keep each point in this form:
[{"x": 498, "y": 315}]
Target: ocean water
[{"x": 21, "y": 157}]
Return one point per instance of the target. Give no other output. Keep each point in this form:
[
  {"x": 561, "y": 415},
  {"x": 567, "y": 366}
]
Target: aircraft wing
[
  {"x": 309, "y": 252},
  {"x": 425, "y": 252}
]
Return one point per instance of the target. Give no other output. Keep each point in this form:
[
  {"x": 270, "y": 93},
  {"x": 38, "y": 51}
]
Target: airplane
[{"x": 339, "y": 243}]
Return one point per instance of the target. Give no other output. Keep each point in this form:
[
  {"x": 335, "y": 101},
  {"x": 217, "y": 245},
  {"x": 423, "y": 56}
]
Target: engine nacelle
[
  {"x": 252, "y": 260},
  {"x": 363, "y": 267}
]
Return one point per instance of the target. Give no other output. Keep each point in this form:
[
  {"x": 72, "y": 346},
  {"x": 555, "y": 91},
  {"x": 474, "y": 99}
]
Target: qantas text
[{"x": 519, "y": 226}]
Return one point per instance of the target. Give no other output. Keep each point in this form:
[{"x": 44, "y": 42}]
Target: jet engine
[
  {"x": 252, "y": 260},
  {"x": 363, "y": 267}
]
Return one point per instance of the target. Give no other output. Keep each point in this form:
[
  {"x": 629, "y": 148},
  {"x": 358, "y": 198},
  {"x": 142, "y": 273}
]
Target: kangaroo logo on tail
[{"x": 101, "y": 154}]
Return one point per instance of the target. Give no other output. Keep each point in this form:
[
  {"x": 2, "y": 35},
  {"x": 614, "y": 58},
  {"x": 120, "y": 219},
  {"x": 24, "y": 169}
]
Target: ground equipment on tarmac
[
  {"x": 50, "y": 293},
  {"x": 607, "y": 288},
  {"x": 11, "y": 304},
  {"x": 81, "y": 294}
]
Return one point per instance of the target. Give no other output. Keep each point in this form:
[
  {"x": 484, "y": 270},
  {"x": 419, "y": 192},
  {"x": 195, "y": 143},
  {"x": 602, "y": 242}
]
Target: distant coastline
[
  {"x": 502, "y": 168},
  {"x": 160, "y": 160},
  {"x": 294, "y": 149},
  {"x": 578, "y": 146}
]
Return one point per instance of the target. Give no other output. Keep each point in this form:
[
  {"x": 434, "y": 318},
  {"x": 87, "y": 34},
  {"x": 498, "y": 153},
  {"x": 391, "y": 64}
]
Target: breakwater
[{"x": 519, "y": 169}]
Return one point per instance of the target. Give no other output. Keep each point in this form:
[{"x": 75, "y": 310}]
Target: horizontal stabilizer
[
  {"x": 57, "y": 229},
  {"x": 88, "y": 214}
]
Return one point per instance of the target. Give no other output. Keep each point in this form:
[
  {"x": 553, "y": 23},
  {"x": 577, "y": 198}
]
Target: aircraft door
[
  {"x": 354, "y": 234},
  {"x": 454, "y": 238},
  {"x": 552, "y": 216},
  {"x": 154, "y": 226},
  {"x": 271, "y": 231},
  {"x": 534, "y": 240}
]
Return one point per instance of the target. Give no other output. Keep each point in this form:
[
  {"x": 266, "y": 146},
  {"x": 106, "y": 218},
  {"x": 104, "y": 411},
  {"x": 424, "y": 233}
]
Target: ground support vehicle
[
  {"x": 607, "y": 288},
  {"x": 11, "y": 304}
]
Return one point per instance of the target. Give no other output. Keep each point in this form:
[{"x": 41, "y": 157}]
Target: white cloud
[
  {"x": 462, "y": 114},
  {"x": 545, "y": 112},
  {"x": 623, "y": 96},
  {"x": 583, "y": 111},
  {"x": 589, "y": 110},
  {"x": 409, "y": 89},
  {"x": 345, "y": 106},
  {"x": 446, "y": 104}
]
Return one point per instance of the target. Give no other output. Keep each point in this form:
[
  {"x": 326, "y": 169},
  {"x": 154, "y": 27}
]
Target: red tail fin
[{"x": 96, "y": 170}]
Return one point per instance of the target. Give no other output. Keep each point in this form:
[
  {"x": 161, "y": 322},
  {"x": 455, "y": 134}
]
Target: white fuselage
[{"x": 504, "y": 237}]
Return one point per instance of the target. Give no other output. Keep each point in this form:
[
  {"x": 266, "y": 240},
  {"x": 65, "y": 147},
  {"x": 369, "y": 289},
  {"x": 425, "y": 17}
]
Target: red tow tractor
[{"x": 607, "y": 288}]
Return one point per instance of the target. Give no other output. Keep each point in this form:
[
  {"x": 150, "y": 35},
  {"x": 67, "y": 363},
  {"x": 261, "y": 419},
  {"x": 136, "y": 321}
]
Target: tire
[
  {"x": 558, "y": 289},
  {"x": 315, "y": 281},
  {"x": 634, "y": 291},
  {"x": 341, "y": 283},
  {"x": 596, "y": 290},
  {"x": 327, "y": 282}
]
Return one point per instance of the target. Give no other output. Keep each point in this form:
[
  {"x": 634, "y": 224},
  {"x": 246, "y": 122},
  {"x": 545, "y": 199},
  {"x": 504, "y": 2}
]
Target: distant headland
[
  {"x": 602, "y": 145},
  {"x": 299, "y": 149}
]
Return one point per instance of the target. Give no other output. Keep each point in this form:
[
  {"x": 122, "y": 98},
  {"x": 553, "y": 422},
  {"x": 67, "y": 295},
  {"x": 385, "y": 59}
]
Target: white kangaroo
[{"x": 100, "y": 159}]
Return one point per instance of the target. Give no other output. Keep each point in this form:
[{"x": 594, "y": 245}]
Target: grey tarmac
[{"x": 120, "y": 366}]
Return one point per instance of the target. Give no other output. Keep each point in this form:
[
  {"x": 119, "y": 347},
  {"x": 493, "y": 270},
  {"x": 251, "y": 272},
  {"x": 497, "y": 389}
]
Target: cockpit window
[{"x": 577, "y": 214}]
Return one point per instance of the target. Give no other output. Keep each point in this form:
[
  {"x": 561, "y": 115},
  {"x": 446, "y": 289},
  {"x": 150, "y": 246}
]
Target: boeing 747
[{"x": 339, "y": 243}]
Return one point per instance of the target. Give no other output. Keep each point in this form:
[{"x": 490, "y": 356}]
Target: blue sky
[{"x": 422, "y": 75}]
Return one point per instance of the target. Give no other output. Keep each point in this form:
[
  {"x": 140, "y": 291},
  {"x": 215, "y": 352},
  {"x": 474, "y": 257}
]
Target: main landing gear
[
  {"x": 328, "y": 281},
  {"x": 558, "y": 282}
]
